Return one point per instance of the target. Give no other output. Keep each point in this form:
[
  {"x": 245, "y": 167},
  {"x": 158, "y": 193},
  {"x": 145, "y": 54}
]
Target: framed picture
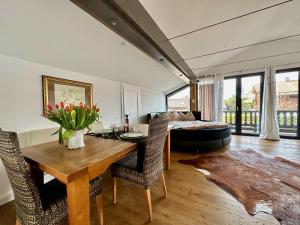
[{"x": 56, "y": 90}]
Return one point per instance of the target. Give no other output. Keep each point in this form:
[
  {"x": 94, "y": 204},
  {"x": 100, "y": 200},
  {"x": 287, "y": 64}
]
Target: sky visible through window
[
  {"x": 230, "y": 85},
  {"x": 283, "y": 76},
  {"x": 229, "y": 88}
]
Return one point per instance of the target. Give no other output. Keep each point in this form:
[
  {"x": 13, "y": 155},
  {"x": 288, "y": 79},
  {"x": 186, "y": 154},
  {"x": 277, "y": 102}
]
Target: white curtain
[
  {"x": 269, "y": 120},
  {"x": 218, "y": 97},
  {"x": 206, "y": 93},
  {"x": 211, "y": 97}
]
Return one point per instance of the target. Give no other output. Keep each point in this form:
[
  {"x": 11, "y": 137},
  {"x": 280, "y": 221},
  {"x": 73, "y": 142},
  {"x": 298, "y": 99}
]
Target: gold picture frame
[{"x": 56, "y": 90}]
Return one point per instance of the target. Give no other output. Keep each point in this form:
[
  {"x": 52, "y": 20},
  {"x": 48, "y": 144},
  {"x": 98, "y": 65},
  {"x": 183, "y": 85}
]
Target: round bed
[
  {"x": 185, "y": 136},
  {"x": 200, "y": 139}
]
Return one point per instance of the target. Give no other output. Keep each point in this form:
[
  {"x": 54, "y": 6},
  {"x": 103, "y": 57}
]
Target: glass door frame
[
  {"x": 238, "y": 111},
  {"x": 297, "y": 69}
]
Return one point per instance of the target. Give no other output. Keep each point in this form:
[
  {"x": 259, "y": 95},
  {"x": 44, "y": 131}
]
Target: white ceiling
[
  {"x": 58, "y": 33},
  {"x": 177, "y": 17}
]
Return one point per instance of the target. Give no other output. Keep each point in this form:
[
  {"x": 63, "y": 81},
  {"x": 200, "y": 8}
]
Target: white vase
[{"x": 76, "y": 141}]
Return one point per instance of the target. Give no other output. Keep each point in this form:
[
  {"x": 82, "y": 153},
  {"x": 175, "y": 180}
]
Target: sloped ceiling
[
  {"x": 58, "y": 33},
  {"x": 225, "y": 36}
]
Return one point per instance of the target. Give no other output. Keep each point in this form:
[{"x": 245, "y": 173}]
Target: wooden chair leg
[
  {"x": 18, "y": 222},
  {"x": 148, "y": 196},
  {"x": 114, "y": 190},
  {"x": 164, "y": 184},
  {"x": 99, "y": 200}
]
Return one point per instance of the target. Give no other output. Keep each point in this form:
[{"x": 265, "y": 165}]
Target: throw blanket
[{"x": 196, "y": 125}]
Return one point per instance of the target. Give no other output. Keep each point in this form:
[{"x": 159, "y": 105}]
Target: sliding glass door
[
  {"x": 250, "y": 104},
  {"x": 287, "y": 85},
  {"x": 242, "y": 103},
  {"x": 229, "y": 103}
]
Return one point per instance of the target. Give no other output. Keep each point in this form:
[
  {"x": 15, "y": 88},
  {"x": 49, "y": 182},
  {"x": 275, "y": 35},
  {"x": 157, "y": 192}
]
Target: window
[
  {"x": 179, "y": 100},
  {"x": 287, "y": 99}
]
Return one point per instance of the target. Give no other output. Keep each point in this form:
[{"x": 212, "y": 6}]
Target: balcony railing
[{"x": 287, "y": 120}]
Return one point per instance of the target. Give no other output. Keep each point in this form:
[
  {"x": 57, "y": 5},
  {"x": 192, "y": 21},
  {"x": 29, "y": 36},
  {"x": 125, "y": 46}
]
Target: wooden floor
[{"x": 191, "y": 198}]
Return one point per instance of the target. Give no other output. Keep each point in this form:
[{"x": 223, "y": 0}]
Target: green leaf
[
  {"x": 65, "y": 120},
  {"x": 68, "y": 134},
  {"x": 60, "y": 138},
  {"x": 73, "y": 114},
  {"x": 82, "y": 113},
  {"x": 56, "y": 132},
  {"x": 73, "y": 119}
]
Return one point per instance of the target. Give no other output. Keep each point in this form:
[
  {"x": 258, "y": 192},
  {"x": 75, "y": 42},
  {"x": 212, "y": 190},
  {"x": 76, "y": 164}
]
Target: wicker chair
[
  {"x": 37, "y": 205},
  {"x": 152, "y": 167}
]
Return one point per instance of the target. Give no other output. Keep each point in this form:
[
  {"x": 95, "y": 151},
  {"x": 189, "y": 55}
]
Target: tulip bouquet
[{"x": 72, "y": 118}]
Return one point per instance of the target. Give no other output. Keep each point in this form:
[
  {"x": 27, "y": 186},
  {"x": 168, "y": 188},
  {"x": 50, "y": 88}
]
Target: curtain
[
  {"x": 269, "y": 120},
  {"x": 218, "y": 97},
  {"x": 206, "y": 92},
  {"x": 211, "y": 97}
]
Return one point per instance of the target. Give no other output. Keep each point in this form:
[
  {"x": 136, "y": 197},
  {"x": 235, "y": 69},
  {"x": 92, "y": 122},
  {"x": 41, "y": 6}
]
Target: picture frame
[{"x": 56, "y": 90}]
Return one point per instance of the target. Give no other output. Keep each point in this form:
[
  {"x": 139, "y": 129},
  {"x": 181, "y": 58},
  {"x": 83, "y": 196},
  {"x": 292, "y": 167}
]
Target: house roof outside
[{"x": 288, "y": 87}]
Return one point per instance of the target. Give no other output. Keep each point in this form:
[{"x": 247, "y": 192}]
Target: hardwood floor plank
[{"x": 191, "y": 198}]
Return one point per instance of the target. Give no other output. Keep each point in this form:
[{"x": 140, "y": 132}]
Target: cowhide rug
[{"x": 260, "y": 183}]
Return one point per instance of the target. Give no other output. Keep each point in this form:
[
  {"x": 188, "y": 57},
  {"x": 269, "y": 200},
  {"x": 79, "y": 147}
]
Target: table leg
[
  {"x": 167, "y": 152},
  {"x": 79, "y": 201}
]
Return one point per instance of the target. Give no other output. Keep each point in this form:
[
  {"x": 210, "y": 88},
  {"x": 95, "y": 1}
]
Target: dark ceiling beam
[{"x": 132, "y": 22}]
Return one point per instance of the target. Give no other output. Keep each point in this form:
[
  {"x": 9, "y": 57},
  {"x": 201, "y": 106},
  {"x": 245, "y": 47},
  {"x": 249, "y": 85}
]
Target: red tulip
[
  {"x": 67, "y": 109},
  {"x": 57, "y": 106},
  {"x": 80, "y": 105},
  {"x": 97, "y": 109},
  {"x": 50, "y": 108},
  {"x": 62, "y": 105}
]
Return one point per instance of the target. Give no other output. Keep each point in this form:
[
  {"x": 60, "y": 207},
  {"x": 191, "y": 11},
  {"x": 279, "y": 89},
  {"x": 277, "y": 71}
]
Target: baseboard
[{"x": 6, "y": 198}]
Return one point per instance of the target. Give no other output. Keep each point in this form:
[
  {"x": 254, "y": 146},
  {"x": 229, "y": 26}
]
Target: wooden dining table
[{"x": 76, "y": 168}]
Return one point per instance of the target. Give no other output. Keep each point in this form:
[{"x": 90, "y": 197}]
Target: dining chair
[
  {"x": 43, "y": 204},
  {"x": 152, "y": 167}
]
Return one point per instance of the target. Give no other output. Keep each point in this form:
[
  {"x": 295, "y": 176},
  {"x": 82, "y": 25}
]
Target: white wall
[
  {"x": 149, "y": 100},
  {"x": 152, "y": 101},
  {"x": 62, "y": 35},
  {"x": 21, "y": 100}
]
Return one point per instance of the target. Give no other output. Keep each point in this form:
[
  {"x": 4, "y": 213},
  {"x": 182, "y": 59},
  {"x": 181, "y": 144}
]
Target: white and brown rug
[{"x": 260, "y": 183}]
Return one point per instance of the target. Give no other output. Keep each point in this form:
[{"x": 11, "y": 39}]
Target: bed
[{"x": 197, "y": 134}]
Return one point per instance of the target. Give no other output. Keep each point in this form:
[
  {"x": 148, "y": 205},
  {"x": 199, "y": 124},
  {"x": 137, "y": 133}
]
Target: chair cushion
[{"x": 127, "y": 168}]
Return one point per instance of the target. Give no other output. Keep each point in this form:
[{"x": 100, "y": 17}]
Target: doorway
[{"x": 242, "y": 103}]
